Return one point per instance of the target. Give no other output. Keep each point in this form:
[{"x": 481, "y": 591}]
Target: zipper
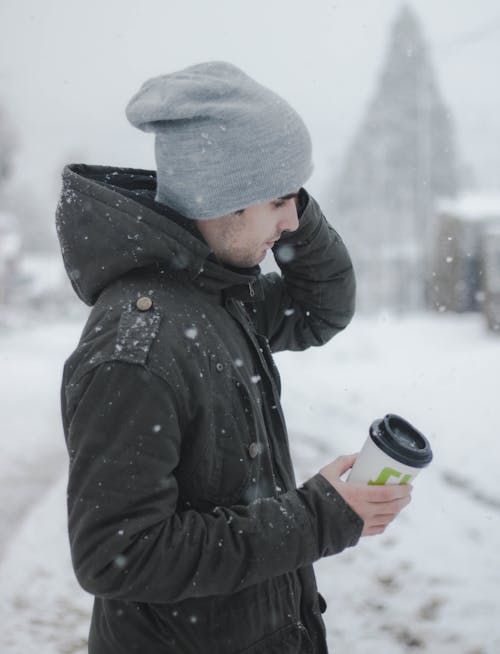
[{"x": 251, "y": 289}]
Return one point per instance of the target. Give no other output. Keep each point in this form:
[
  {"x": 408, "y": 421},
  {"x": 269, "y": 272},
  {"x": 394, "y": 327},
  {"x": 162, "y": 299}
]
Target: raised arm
[{"x": 313, "y": 298}]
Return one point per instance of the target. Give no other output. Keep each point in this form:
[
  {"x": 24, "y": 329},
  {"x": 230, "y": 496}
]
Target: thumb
[{"x": 343, "y": 463}]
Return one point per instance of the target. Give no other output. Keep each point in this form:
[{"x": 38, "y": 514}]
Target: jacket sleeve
[
  {"x": 128, "y": 538},
  {"x": 313, "y": 298}
]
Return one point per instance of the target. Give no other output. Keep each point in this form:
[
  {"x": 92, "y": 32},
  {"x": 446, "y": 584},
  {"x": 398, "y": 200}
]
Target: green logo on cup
[{"x": 385, "y": 475}]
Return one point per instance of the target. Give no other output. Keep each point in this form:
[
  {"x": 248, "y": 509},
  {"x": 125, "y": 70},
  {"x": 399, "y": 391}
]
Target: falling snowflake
[
  {"x": 285, "y": 253},
  {"x": 191, "y": 332}
]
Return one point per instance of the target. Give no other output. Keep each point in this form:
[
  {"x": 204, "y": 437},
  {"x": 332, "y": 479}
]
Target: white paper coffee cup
[{"x": 393, "y": 453}]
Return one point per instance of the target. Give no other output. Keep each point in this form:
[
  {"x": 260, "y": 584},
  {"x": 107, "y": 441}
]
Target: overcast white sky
[{"x": 68, "y": 68}]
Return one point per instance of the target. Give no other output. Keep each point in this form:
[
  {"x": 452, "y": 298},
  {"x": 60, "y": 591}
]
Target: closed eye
[{"x": 283, "y": 199}]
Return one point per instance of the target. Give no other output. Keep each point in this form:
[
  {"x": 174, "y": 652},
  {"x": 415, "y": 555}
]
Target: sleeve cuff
[{"x": 337, "y": 525}]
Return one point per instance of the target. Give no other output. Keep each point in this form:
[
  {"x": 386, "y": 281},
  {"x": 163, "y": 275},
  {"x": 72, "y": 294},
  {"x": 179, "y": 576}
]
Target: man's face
[{"x": 242, "y": 238}]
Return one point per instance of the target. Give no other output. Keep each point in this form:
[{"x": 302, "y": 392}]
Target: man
[{"x": 185, "y": 519}]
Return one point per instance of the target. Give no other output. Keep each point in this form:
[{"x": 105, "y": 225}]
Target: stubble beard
[{"x": 241, "y": 259}]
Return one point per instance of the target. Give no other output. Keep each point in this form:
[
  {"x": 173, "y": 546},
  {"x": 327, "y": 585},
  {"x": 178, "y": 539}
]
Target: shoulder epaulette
[{"x": 139, "y": 324}]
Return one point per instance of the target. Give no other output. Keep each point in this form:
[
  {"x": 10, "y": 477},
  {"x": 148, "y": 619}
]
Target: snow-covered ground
[{"x": 430, "y": 583}]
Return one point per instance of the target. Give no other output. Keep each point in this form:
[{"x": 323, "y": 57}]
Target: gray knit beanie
[{"x": 223, "y": 142}]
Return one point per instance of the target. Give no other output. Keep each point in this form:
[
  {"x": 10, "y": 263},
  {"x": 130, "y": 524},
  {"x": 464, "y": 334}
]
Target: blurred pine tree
[{"x": 401, "y": 160}]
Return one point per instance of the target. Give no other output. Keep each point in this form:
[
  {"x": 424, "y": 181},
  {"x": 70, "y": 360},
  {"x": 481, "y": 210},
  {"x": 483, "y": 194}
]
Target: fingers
[
  {"x": 384, "y": 494},
  {"x": 391, "y": 508},
  {"x": 376, "y": 505},
  {"x": 379, "y": 515},
  {"x": 373, "y": 531}
]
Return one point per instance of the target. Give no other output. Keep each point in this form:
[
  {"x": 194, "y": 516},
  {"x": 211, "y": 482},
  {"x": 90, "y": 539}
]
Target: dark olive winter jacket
[{"x": 185, "y": 520}]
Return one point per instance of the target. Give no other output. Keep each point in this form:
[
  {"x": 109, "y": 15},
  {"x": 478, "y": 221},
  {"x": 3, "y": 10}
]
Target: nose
[{"x": 289, "y": 220}]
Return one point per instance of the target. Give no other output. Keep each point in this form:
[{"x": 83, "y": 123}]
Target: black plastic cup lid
[{"x": 401, "y": 441}]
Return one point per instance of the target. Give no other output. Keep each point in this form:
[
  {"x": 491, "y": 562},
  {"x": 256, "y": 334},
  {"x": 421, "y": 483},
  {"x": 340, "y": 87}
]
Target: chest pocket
[{"x": 235, "y": 462}]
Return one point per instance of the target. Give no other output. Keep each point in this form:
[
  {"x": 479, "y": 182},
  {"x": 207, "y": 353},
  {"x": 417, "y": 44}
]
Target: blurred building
[
  {"x": 10, "y": 250},
  {"x": 465, "y": 271},
  {"x": 491, "y": 249},
  {"x": 31, "y": 284}
]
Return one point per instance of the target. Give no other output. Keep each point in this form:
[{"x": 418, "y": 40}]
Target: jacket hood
[{"x": 109, "y": 224}]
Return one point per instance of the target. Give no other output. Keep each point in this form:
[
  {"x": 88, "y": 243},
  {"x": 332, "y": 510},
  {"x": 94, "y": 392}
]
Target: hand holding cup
[
  {"x": 378, "y": 486},
  {"x": 376, "y": 505}
]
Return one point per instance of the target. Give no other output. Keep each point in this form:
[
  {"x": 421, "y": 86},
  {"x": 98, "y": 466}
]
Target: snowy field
[{"x": 431, "y": 583}]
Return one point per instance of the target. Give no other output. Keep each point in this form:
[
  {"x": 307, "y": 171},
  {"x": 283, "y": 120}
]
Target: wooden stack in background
[
  {"x": 465, "y": 261},
  {"x": 491, "y": 278}
]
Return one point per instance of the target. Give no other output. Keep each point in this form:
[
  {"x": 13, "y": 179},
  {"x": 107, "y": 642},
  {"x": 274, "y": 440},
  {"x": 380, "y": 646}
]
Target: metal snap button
[
  {"x": 144, "y": 303},
  {"x": 219, "y": 367}
]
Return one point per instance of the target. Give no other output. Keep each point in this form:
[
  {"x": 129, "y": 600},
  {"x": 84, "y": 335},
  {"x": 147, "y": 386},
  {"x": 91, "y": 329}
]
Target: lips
[{"x": 272, "y": 242}]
